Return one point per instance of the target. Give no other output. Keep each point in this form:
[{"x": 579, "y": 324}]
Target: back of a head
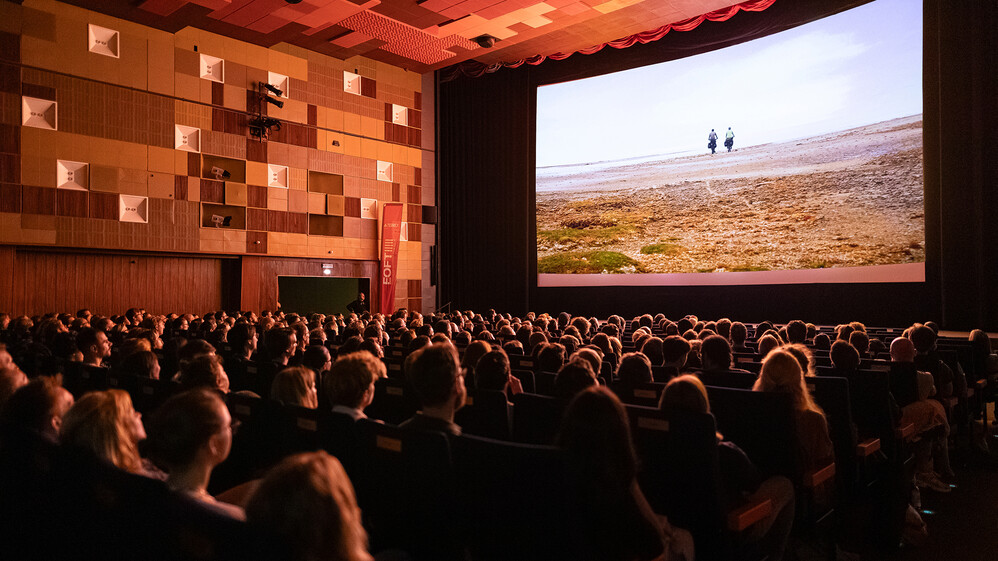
[
  {"x": 902, "y": 350},
  {"x": 99, "y": 422},
  {"x": 34, "y": 406},
  {"x": 308, "y": 500},
  {"x": 738, "y": 333},
  {"x": 201, "y": 372},
  {"x": 474, "y": 352},
  {"x": 796, "y": 331},
  {"x": 980, "y": 342},
  {"x": 822, "y": 342},
  {"x": 653, "y": 348},
  {"x": 182, "y": 426},
  {"x": 675, "y": 348},
  {"x": 433, "y": 372},
  {"x": 844, "y": 356},
  {"x": 372, "y": 346},
  {"x": 923, "y": 337},
  {"x": 860, "y": 340},
  {"x": 350, "y": 376},
  {"x": 193, "y": 348},
  {"x": 574, "y": 377},
  {"x": 596, "y": 433},
  {"x": 715, "y": 353},
  {"x": 551, "y": 358},
  {"x": 782, "y": 373},
  {"x": 685, "y": 393},
  {"x": 492, "y": 371},
  {"x": 634, "y": 368},
  {"x": 315, "y": 357},
  {"x": 803, "y": 355},
  {"x": 278, "y": 342},
  {"x": 767, "y": 343},
  {"x": 143, "y": 364},
  {"x": 295, "y": 385},
  {"x": 592, "y": 356}
]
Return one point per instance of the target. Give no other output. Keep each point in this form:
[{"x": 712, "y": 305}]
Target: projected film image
[{"x": 801, "y": 150}]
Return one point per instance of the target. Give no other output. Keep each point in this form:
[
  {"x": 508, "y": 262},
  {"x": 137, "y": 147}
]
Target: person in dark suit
[
  {"x": 358, "y": 306},
  {"x": 437, "y": 377}
]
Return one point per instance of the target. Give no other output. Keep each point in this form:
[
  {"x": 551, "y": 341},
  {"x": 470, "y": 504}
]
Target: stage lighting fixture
[
  {"x": 273, "y": 101},
  {"x": 221, "y": 221}
]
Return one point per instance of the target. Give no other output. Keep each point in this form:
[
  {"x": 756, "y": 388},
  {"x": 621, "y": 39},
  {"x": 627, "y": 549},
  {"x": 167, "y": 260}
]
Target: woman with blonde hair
[
  {"x": 106, "y": 424},
  {"x": 308, "y": 500},
  {"x": 295, "y": 385},
  {"x": 782, "y": 373}
]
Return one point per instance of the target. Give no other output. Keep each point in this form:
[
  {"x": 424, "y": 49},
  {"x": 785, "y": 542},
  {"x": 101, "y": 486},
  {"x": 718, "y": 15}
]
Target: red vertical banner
[{"x": 391, "y": 230}]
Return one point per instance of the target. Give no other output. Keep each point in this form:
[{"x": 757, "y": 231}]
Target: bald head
[{"x": 902, "y": 350}]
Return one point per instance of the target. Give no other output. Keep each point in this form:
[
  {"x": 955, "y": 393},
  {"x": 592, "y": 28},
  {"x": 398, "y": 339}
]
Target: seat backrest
[
  {"x": 679, "y": 474},
  {"x": 544, "y": 382},
  {"x": 486, "y": 413},
  {"x": 514, "y": 500},
  {"x": 526, "y": 378},
  {"x": 646, "y": 394},
  {"x": 903, "y": 379},
  {"x": 728, "y": 379},
  {"x": 536, "y": 418},
  {"x": 522, "y": 362},
  {"x": 405, "y": 488},
  {"x": 760, "y": 423},
  {"x": 394, "y": 401},
  {"x": 832, "y": 395}
]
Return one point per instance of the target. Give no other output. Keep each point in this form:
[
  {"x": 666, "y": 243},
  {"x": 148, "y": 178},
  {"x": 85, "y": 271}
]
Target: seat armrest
[
  {"x": 744, "y": 516},
  {"x": 867, "y": 447},
  {"x": 981, "y": 384},
  {"x": 905, "y": 432},
  {"x": 818, "y": 476}
]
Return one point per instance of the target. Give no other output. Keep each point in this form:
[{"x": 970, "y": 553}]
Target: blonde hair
[
  {"x": 99, "y": 422},
  {"x": 295, "y": 386},
  {"x": 309, "y": 500},
  {"x": 781, "y": 372}
]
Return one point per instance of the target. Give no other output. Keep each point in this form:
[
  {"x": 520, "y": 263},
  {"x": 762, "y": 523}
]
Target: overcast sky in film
[{"x": 859, "y": 67}]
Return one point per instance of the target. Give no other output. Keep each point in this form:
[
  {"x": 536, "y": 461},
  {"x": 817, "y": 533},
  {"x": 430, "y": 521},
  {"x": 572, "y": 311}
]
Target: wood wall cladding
[
  {"x": 42, "y": 281},
  {"x": 259, "y": 275}
]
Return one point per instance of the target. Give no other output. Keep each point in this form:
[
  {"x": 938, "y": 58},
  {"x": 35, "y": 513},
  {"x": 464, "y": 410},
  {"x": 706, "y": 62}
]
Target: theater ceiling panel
[{"x": 416, "y": 35}]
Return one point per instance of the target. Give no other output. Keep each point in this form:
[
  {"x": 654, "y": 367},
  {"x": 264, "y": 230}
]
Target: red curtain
[{"x": 474, "y": 68}]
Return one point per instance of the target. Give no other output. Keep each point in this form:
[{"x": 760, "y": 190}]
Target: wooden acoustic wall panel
[
  {"x": 259, "y": 277},
  {"x": 110, "y": 284}
]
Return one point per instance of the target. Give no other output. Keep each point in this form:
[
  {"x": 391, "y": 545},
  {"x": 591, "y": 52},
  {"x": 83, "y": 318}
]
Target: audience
[
  {"x": 295, "y": 385},
  {"x": 106, "y": 425},
  {"x": 38, "y": 408},
  {"x": 189, "y": 435},
  {"x": 437, "y": 378},
  {"x": 308, "y": 501}
]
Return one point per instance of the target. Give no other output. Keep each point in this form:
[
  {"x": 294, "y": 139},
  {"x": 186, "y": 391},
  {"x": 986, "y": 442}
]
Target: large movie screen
[{"x": 792, "y": 158}]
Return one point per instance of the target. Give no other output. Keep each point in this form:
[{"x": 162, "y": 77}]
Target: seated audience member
[
  {"x": 349, "y": 384},
  {"x": 295, "y": 385},
  {"x": 767, "y": 343},
  {"x": 634, "y": 369},
  {"x": 318, "y": 360},
  {"x": 38, "y": 408},
  {"x": 740, "y": 479},
  {"x": 281, "y": 345},
  {"x": 189, "y": 435},
  {"x": 11, "y": 376},
  {"x": 472, "y": 354},
  {"x": 436, "y": 377},
  {"x": 796, "y": 332},
  {"x": 844, "y": 357},
  {"x": 931, "y": 425},
  {"x": 493, "y": 373},
  {"x": 738, "y": 335},
  {"x": 573, "y": 377},
  {"x": 842, "y": 332},
  {"x": 590, "y": 355},
  {"x": 652, "y": 347},
  {"x": 724, "y": 328},
  {"x": 106, "y": 425},
  {"x": 715, "y": 355},
  {"x": 142, "y": 364},
  {"x": 352, "y": 344},
  {"x": 675, "y": 353},
  {"x": 927, "y": 360},
  {"x": 822, "y": 342},
  {"x": 204, "y": 371},
  {"x": 861, "y": 341},
  {"x": 782, "y": 373},
  {"x": 309, "y": 502},
  {"x": 239, "y": 365},
  {"x": 877, "y": 347},
  {"x": 620, "y": 523},
  {"x": 985, "y": 361},
  {"x": 513, "y": 348},
  {"x": 94, "y": 345},
  {"x": 551, "y": 357},
  {"x": 536, "y": 338},
  {"x": 804, "y": 357},
  {"x": 372, "y": 346}
]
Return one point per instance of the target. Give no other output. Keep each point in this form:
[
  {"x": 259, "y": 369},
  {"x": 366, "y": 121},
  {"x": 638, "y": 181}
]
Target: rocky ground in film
[{"x": 843, "y": 199}]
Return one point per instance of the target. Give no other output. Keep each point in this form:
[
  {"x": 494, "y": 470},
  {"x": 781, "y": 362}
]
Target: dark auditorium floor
[{"x": 965, "y": 524}]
